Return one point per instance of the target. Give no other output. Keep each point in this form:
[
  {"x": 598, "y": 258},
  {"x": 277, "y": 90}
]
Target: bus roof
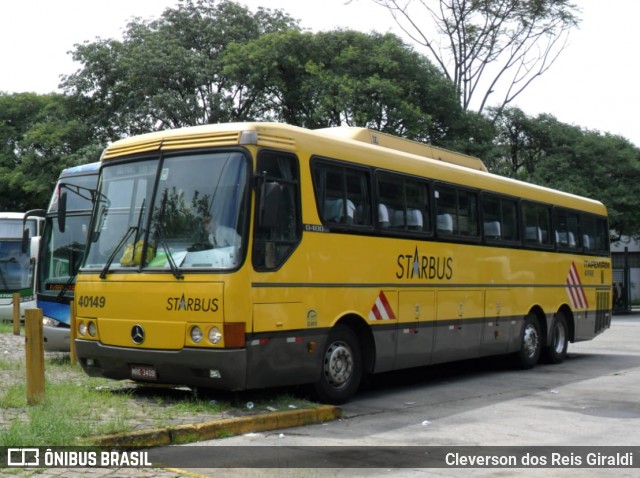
[
  {"x": 409, "y": 156},
  {"x": 11, "y": 215},
  {"x": 385, "y": 140},
  {"x": 80, "y": 169}
]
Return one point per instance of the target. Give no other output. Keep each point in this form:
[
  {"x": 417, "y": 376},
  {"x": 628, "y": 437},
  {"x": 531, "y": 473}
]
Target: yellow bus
[{"x": 252, "y": 255}]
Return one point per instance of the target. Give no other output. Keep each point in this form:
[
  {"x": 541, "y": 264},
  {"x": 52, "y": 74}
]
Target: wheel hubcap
[
  {"x": 530, "y": 341},
  {"x": 560, "y": 338},
  {"x": 338, "y": 364}
]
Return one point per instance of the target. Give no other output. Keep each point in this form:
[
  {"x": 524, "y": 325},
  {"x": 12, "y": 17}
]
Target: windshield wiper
[
  {"x": 122, "y": 242},
  {"x": 137, "y": 228},
  {"x": 65, "y": 288},
  {"x": 5, "y": 261},
  {"x": 175, "y": 270},
  {"x": 72, "y": 275}
]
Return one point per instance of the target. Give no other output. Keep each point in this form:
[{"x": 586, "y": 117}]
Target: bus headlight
[
  {"x": 215, "y": 335},
  {"x": 49, "y": 322},
  {"x": 82, "y": 328},
  {"x": 91, "y": 328},
  {"x": 196, "y": 334}
]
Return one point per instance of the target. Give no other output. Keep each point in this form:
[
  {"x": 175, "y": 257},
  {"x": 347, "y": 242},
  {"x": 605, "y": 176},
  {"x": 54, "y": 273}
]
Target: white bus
[{"x": 17, "y": 266}]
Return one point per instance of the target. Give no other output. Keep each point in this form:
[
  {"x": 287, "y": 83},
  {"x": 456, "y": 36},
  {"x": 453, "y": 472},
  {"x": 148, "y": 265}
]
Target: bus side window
[
  {"x": 500, "y": 219},
  {"x": 462, "y": 206},
  {"x": 342, "y": 193},
  {"x": 403, "y": 203},
  {"x": 566, "y": 229},
  {"x": 537, "y": 224},
  {"x": 595, "y": 234}
]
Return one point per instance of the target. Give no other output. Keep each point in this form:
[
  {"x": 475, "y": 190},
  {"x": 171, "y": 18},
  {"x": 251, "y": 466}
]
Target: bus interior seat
[
  {"x": 334, "y": 211},
  {"x": 533, "y": 235},
  {"x": 414, "y": 219},
  {"x": 398, "y": 218},
  {"x": 492, "y": 230},
  {"x": 383, "y": 216},
  {"x": 586, "y": 241},
  {"x": 445, "y": 224},
  {"x": 565, "y": 239}
]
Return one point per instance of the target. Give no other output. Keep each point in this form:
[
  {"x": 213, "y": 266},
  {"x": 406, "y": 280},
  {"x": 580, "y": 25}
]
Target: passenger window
[
  {"x": 457, "y": 211},
  {"x": 537, "y": 224},
  {"x": 342, "y": 194},
  {"x": 500, "y": 218},
  {"x": 566, "y": 229},
  {"x": 595, "y": 234},
  {"x": 403, "y": 203}
]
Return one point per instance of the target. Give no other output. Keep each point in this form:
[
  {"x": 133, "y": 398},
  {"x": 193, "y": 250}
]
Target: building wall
[{"x": 633, "y": 260}]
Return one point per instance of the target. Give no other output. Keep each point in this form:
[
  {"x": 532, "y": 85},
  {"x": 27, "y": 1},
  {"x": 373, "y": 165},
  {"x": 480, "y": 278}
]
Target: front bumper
[
  {"x": 205, "y": 368},
  {"x": 56, "y": 339}
]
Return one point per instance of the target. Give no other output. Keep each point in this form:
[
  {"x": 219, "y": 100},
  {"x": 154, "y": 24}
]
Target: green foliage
[
  {"x": 601, "y": 166},
  {"x": 40, "y": 135},
  {"x": 346, "y": 77},
  {"x": 546, "y": 151},
  {"x": 167, "y": 72}
]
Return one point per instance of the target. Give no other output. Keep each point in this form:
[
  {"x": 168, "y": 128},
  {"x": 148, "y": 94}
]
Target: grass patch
[
  {"x": 77, "y": 407},
  {"x": 69, "y": 413},
  {"x": 6, "y": 327}
]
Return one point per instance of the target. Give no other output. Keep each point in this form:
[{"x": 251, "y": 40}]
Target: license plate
[{"x": 143, "y": 372}]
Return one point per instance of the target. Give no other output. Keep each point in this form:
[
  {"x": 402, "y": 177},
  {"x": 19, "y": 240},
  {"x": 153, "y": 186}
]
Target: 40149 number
[{"x": 91, "y": 301}]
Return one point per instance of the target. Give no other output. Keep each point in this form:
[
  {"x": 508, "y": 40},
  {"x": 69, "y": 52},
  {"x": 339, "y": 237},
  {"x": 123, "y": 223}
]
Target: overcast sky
[{"x": 592, "y": 85}]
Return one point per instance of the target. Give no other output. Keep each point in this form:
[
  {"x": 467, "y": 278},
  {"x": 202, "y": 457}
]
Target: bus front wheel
[
  {"x": 557, "y": 350},
  {"x": 341, "y": 367},
  {"x": 530, "y": 343}
]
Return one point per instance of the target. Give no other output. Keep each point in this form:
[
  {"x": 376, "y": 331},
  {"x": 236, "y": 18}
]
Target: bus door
[
  {"x": 459, "y": 324},
  {"x": 414, "y": 343}
]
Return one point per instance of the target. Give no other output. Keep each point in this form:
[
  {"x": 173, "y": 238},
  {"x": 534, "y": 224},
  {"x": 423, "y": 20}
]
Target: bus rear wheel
[
  {"x": 341, "y": 372},
  {"x": 530, "y": 343},
  {"x": 557, "y": 349}
]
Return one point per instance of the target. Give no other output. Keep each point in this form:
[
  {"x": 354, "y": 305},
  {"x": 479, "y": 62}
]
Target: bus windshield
[
  {"x": 63, "y": 250},
  {"x": 174, "y": 213},
  {"x": 16, "y": 269}
]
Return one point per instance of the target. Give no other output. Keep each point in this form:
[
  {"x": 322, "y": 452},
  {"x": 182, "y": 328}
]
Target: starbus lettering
[
  {"x": 192, "y": 304},
  {"x": 417, "y": 266}
]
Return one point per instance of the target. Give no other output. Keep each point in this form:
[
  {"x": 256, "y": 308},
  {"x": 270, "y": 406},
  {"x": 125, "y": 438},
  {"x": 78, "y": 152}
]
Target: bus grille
[{"x": 603, "y": 312}]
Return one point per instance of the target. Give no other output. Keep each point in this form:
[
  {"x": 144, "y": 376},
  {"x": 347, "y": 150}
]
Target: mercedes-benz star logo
[{"x": 137, "y": 334}]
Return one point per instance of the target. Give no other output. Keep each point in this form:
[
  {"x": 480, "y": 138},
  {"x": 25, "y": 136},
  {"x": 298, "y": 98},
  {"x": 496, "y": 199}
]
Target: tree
[
  {"x": 40, "y": 136},
  {"x": 523, "y": 142},
  {"x": 485, "y": 46},
  {"x": 347, "y": 78},
  {"x": 601, "y": 166},
  {"x": 167, "y": 73}
]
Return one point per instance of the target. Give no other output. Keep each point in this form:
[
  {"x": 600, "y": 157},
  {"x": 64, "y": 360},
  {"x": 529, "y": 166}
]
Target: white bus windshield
[{"x": 16, "y": 269}]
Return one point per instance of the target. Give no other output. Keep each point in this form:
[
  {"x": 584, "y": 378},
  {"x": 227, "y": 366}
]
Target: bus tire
[
  {"x": 341, "y": 367},
  {"x": 556, "y": 351},
  {"x": 530, "y": 343}
]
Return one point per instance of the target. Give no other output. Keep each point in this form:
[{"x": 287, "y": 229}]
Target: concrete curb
[{"x": 181, "y": 434}]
